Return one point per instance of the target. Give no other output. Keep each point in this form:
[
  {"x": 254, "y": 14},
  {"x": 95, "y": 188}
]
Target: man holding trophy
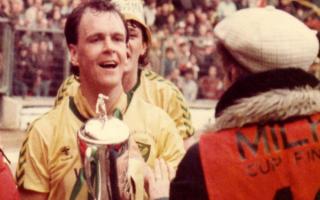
[
  {"x": 138, "y": 80},
  {"x": 50, "y": 166}
]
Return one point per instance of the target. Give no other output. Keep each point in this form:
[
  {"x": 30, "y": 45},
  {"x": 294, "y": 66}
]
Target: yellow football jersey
[
  {"x": 160, "y": 92},
  {"x": 49, "y": 160},
  {"x": 68, "y": 88},
  {"x": 154, "y": 89}
]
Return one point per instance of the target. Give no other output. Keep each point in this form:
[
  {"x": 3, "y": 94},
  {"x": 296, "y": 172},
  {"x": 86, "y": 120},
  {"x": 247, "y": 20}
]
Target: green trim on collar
[
  {"x": 78, "y": 185},
  {"x": 131, "y": 92},
  {"x": 75, "y": 110},
  {"x": 117, "y": 113}
]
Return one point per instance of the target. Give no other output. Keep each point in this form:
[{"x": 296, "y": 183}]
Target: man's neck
[
  {"x": 129, "y": 80},
  {"x": 114, "y": 95}
]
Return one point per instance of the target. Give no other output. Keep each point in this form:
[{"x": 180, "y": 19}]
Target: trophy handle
[
  {"x": 114, "y": 176},
  {"x": 87, "y": 166}
]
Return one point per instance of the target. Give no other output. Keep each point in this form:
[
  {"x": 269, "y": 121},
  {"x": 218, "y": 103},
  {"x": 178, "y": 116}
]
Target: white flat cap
[{"x": 267, "y": 38}]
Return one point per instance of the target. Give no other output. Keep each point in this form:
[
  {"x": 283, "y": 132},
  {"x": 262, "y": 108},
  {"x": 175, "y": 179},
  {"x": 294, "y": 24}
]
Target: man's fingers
[
  {"x": 172, "y": 172},
  {"x": 164, "y": 169},
  {"x": 157, "y": 170},
  {"x": 148, "y": 178}
]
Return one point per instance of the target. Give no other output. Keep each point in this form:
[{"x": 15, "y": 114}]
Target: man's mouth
[{"x": 108, "y": 65}]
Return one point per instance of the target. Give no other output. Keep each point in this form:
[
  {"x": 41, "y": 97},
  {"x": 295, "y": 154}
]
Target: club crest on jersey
[{"x": 145, "y": 150}]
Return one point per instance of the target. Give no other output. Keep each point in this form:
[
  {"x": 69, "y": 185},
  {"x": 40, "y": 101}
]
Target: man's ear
[
  {"x": 73, "y": 54},
  {"x": 126, "y": 62},
  {"x": 144, "y": 48}
]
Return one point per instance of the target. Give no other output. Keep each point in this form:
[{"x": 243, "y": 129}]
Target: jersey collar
[{"x": 80, "y": 106}]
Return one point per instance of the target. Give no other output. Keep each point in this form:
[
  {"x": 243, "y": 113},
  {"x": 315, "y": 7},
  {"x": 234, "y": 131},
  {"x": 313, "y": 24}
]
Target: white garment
[
  {"x": 190, "y": 90},
  {"x": 226, "y": 8},
  {"x": 150, "y": 15}
]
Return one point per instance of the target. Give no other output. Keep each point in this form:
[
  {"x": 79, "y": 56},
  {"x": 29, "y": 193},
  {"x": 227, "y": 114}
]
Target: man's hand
[{"x": 158, "y": 180}]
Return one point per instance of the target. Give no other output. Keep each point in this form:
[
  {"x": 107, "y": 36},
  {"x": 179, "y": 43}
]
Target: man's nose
[{"x": 109, "y": 45}]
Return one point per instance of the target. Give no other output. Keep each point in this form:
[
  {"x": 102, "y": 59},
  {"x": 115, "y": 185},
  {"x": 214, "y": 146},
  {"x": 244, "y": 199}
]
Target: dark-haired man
[
  {"x": 144, "y": 83},
  {"x": 49, "y": 162}
]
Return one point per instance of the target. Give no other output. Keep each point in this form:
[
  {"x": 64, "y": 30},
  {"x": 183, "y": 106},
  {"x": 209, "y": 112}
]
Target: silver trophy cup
[{"x": 103, "y": 145}]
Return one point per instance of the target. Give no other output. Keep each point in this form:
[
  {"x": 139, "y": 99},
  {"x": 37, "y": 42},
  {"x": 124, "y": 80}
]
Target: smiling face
[
  {"x": 100, "y": 51},
  {"x": 136, "y": 46}
]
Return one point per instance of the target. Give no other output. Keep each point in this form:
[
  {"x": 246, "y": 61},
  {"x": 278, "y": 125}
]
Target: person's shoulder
[
  {"x": 68, "y": 88},
  {"x": 152, "y": 78},
  {"x": 145, "y": 108},
  {"x": 154, "y": 82},
  {"x": 47, "y": 122},
  {"x": 153, "y": 117}
]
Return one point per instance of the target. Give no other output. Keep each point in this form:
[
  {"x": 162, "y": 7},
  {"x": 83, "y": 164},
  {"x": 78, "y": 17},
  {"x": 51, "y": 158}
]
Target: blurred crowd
[{"x": 182, "y": 47}]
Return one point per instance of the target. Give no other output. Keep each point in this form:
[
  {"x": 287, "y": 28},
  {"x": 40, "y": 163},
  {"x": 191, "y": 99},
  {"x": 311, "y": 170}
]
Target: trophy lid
[
  {"x": 104, "y": 129},
  {"x": 112, "y": 131}
]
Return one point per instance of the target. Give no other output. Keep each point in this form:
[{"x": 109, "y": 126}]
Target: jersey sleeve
[
  {"x": 170, "y": 144},
  {"x": 32, "y": 169},
  {"x": 168, "y": 97},
  {"x": 179, "y": 112}
]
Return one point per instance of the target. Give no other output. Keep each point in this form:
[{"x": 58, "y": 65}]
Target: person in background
[
  {"x": 141, "y": 82},
  {"x": 44, "y": 73},
  {"x": 211, "y": 87},
  {"x": 265, "y": 134},
  {"x": 176, "y": 78},
  {"x": 189, "y": 86},
  {"x": 169, "y": 61}
]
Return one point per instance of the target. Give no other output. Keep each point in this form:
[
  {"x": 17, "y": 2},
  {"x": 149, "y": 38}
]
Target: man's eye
[
  {"x": 94, "y": 39},
  {"x": 133, "y": 35},
  {"x": 119, "y": 39}
]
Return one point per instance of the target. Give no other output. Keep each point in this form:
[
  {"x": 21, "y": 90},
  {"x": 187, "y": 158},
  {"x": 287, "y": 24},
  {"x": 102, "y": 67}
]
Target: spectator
[
  {"x": 163, "y": 12},
  {"x": 191, "y": 19},
  {"x": 150, "y": 11},
  {"x": 189, "y": 31},
  {"x": 31, "y": 13},
  {"x": 193, "y": 65},
  {"x": 279, "y": 99},
  {"x": 169, "y": 62},
  {"x": 189, "y": 86},
  {"x": 23, "y": 77},
  {"x": 171, "y": 22},
  {"x": 56, "y": 19},
  {"x": 183, "y": 53},
  {"x": 155, "y": 56},
  {"x": 176, "y": 78},
  {"x": 17, "y": 8},
  {"x": 5, "y": 8},
  {"x": 187, "y": 4},
  {"x": 225, "y": 8},
  {"x": 211, "y": 87},
  {"x": 43, "y": 63}
]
